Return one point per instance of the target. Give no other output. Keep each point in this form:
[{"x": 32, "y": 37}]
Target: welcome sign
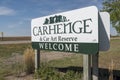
[{"x": 71, "y": 31}]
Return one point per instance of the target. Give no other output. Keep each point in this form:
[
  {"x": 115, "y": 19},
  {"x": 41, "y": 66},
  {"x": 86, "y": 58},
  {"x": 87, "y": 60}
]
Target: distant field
[{"x": 15, "y": 38}]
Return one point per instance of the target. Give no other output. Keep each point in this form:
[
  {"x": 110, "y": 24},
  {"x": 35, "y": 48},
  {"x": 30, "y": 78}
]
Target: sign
[
  {"x": 104, "y": 31},
  {"x": 71, "y": 31}
]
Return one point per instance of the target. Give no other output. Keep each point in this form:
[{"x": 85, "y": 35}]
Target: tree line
[{"x": 113, "y": 7}]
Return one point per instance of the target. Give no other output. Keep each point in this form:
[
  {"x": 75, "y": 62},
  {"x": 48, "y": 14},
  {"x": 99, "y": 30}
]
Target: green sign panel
[
  {"x": 71, "y": 31},
  {"x": 88, "y": 48}
]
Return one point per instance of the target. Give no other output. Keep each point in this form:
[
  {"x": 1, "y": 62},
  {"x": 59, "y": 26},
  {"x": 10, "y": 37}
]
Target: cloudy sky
[{"x": 16, "y": 15}]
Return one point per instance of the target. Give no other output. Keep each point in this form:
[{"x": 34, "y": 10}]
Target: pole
[
  {"x": 86, "y": 67},
  {"x": 2, "y": 35},
  {"x": 37, "y": 59},
  {"x": 95, "y": 70}
]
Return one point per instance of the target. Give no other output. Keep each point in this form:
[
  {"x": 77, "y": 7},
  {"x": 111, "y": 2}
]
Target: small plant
[
  {"x": 29, "y": 60},
  {"x": 47, "y": 73},
  {"x": 18, "y": 69},
  {"x": 72, "y": 75}
]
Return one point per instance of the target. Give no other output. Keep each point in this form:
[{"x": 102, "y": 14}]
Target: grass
[
  {"x": 8, "y": 66},
  {"x": 113, "y": 54},
  {"x": 6, "y": 50},
  {"x": 105, "y": 58},
  {"x": 29, "y": 60},
  {"x": 48, "y": 73},
  {"x": 73, "y": 62},
  {"x": 15, "y": 38}
]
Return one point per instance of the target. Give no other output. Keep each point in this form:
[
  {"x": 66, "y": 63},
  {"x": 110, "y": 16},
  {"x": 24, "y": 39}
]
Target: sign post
[
  {"x": 37, "y": 59},
  {"x": 95, "y": 69},
  {"x": 87, "y": 67}
]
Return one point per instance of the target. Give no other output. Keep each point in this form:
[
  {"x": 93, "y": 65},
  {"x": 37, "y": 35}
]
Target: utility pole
[{"x": 1, "y": 35}]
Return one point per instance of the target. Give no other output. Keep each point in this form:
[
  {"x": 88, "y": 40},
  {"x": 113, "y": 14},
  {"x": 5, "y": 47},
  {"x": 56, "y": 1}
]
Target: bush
[
  {"x": 47, "y": 73},
  {"x": 29, "y": 60}
]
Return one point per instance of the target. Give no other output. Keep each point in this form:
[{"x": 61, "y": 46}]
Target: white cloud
[
  {"x": 6, "y": 11},
  {"x": 15, "y": 25},
  {"x": 12, "y": 26}
]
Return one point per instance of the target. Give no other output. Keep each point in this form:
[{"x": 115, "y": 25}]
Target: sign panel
[
  {"x": 104, "y": 31},
  {"x": 71, "y": 31}
]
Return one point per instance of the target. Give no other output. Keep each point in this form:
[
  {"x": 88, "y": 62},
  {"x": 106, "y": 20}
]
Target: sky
[{"x": 16, "y": 15}]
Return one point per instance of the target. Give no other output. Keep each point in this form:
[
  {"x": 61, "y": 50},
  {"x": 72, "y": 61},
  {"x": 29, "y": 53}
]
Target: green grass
[
  {"x": 73, "y": 60},
  {"x": 48, "y": 73}
]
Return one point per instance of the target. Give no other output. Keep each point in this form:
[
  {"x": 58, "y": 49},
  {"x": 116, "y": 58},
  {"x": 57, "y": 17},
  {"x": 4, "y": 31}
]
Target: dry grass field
[
  {"x": 12, "y": 67},
  {"x": 15, "y": 38}
]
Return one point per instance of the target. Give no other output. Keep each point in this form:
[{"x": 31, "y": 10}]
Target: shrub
[
  {"x": 48, "y": 73},
  {"x": 29, "y": 60}
]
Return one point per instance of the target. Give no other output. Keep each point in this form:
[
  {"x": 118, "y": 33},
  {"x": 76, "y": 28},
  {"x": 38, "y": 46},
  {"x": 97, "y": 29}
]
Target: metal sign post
[
  {"x": 87, "y": 67},
  {"x": 95, "y": 69},
  {"x": 37, "y": 59},
  {"x": 88, "y": 62}
]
